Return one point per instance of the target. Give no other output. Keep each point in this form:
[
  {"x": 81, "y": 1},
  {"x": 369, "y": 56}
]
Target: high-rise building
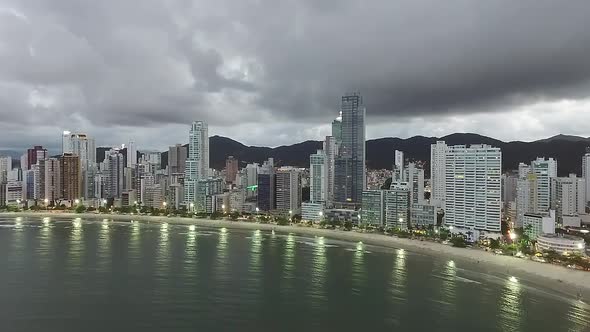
[
  {"x": 197, "y": 164},
  {"x": 586, "y": 174},
  {"x": 131, "y": 154},
  {"x": 414, "y": 175},
  {"x": 373, "y": 208},
  {"x": 318, "y": 177},
  {"x": 545, "y": 170},
  {"x": 231, "y": 169},
  {"x": 330, "y": 152},
  {"x": 398, "y": 166},
  {"x": 5, "y": 167},
  {"x": 81, "y": 145},
  {"x": 71, "y": 181},
  {"x": 288, "y": 189},
  {"x": 266, "y": 186},
  {"x": 567, "y": 196},
  {"x": 349, "y": 177},
  {"x": 337, "y": 129},
  {"x": 177, "y": 155},
  {"x": 397, "y": 206},
  {"x": 526, "y": 195},
  {"x": 437, "y": 172},
  {"x": 14, "y": 186},
  {"x": 34, "y": 154},
  {"x": 112, "y": 170},
  {"x": 52, "y": 180},
  {"x": 472, "y": 187}
]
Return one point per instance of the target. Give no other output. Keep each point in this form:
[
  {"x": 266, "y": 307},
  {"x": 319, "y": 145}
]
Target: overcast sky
[{"x": 271, "y": 72}]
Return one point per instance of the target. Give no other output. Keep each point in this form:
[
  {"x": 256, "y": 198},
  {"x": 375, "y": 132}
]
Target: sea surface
[{"x": 60, "y": 275}]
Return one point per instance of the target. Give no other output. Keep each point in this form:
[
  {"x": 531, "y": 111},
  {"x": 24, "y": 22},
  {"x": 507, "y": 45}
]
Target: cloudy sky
[{"x": 270, "y": 72}]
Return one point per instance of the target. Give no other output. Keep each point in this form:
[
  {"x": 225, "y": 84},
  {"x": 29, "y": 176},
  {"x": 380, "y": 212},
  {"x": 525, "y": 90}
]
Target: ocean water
[{"x": 76, "y": 275}]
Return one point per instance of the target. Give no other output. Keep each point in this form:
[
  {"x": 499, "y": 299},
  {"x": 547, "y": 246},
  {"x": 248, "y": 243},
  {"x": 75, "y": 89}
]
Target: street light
[
  {"x": 77, "y": 201},
  {"x": 257, "y": 210},
  {"x": 513, "y": 236}
]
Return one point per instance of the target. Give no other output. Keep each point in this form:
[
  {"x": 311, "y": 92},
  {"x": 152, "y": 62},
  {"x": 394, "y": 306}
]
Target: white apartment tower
[
  {"x": 131, "y": 154},
  {"x": 318, "y": 180},
  {"x": 473, "y": 187},
  {"x": 545, "y": 170},
  {"x": 437, "y": 172},
  {"x": 197, "y": 163},
  {"x": 586, "y": 175}
]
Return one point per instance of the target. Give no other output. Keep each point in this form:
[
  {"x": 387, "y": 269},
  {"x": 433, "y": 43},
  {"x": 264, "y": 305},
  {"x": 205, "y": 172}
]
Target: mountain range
[{"x": 568, "y": 151}]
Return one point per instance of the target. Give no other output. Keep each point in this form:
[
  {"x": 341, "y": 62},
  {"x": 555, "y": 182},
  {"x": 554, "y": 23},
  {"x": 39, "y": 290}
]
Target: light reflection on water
[{"x": 240, "y": 272}]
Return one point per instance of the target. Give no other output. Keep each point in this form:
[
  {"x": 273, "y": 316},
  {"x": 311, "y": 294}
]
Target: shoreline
[{"x": 559, "y": 278}]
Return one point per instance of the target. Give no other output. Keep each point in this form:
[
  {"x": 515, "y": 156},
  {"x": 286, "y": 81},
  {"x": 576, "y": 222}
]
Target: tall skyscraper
[
  {"x": 266, "y": 186},
  {"x": 177, "y": 155},
  {"x": 415, "y": 178},
  {"x": 545, "y": 170},
  {"x": 113, "y": 174},
  {"x": 349, "y": 179},
  {"x": 472, "y": 187},
  {"x": 197, "y": 164},
  {"x": 231, "y": 169},
  {"x": 318, "y": 177},
  {"x": 526, "y": 194},
  {"x": 397, "y": 206},
  {"x": 5, "y": 167},
  {"x": 398, "y": 166},
  {"x": 131, "y": 154},
  {"x": 567, "y": 196},
  {"x": 288, "y": 189},
  {"x": 52, "y": 180},
  {"x": 586, "y": 174},
  {"x": 34, "y": 154},
  {"x": 330, "y": 152},
  {"x": 437, "y": 172},
  {"x": 71, "y": 180},
  {"x": 337, "y": 129},
  {"x": 81, "y": 145}
]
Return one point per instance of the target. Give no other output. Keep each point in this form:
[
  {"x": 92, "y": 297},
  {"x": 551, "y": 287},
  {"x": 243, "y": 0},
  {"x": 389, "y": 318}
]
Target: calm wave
[{"x": 75, "y": 275}]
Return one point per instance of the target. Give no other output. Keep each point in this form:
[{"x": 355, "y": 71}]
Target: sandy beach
[{"x": 571, "y": 282}]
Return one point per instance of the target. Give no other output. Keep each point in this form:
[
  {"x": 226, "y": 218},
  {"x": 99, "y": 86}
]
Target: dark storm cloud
[{"x": 242, "y": 64}]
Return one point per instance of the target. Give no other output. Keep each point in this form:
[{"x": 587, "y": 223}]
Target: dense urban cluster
[{"x": 467, "y": 194}]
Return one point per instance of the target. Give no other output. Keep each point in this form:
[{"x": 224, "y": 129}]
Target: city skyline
[{"x": 280, "y": 74}]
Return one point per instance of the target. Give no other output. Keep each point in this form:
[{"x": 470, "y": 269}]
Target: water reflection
[
  {"x": 104, "y": 246},
  {"x": 256, "y": 252},
  {"x": 76, "y": 248},
  {"x": 510, "y": 305},
  {"x": 579, "y": 316},
  {"x": 399, "y": 276},
  {"x": 318, "y": 274},
  {"x": 222, "y": 258},
  {"x": 289, "y": 261}
]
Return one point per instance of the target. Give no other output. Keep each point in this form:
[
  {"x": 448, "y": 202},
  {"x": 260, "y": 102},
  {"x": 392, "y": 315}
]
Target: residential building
[
  {"x": 52, "y": 180},
  {"x": 5, "y": 167},
  {"x": 231, "y": 169},
  {"x": 71, "y": 181},
  {"x": 373, "y": 208},
  {"x": 422, "y": 215},
  {"x": 177, "y": 156},
  {"x": 288, "y": 190},
  {"x": 568, "y": 195},
  {"x": 349, "y": 177},
  {"x": 586, "y": 173},
  {"x": 14, "y": 186},
  {"x": 112, "y": 169},
  {"x": 526, "y": 196},
  {"x": 472, "y": 187},
  {"x": 330, "y": 152},
  {"x": 318, "y": 177},
  {"x": 312, "y": 211},
  {"x": 197, "y": 164},
  {"x": 535, "y": 224},
  {"x": 131, "y": 154},
  {"x": 397, "y": 206},
  {"x": 438, "y": 172},
  {"x": 545, "y": 170}
]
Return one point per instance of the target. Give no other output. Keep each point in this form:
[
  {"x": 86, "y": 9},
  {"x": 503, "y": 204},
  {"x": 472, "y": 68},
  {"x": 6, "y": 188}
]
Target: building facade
[
  {"x": 373, "y": 208},
  {"x": 349, "y": 177},
  {"x": 473, "y": 187},
  {"x": 318, "y": 177},
  {"x": 197, "y": 163}
]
